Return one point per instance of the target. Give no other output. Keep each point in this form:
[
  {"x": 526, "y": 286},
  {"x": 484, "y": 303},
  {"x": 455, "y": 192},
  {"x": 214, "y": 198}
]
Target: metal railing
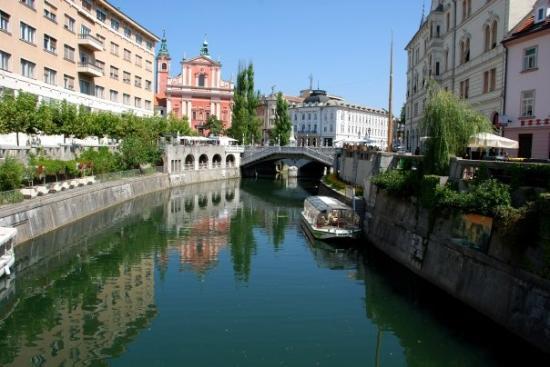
[
  {"x": 87, "y": 36},
  {"x": 91, "y": 65}
]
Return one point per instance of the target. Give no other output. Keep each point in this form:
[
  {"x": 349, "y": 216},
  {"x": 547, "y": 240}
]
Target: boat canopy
[{"x": 326, "y": 203}]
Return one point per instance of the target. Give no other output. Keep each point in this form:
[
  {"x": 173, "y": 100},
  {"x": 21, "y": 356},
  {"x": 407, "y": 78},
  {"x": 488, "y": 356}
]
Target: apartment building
[
  {"x": 459, "y": 46},
  {"x": 324, "y": 120},
  {"x": 87, "y": 52},
  {"x": 528, "y": 84}
]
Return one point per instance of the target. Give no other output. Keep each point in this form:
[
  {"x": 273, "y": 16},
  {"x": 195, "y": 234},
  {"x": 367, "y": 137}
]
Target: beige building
[
  {"x": 84, "y": 51},
  {"x": 459, "y": 46}
]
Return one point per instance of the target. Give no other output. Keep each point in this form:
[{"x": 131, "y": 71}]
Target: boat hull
[{"x": 331, "y": 233}]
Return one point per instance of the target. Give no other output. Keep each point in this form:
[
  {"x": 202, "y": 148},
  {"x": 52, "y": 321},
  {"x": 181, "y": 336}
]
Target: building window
[
  {"x": 540, "y": 15},
  {"x": 489, "y": 80},
  {"x": 464, "y": 88},
  {"x": 466, "y": 9},
  {"x": 49, "y": 76},
  {"x": 127, "y": 55},
  {"x": 85, "y": 31},
  {"x": 127, "y": 32},
  {"x": 148, "y": 65},
  {"x": 100, "y": 15},
  {"x": 530, "y": 58},
  {"x": 100, "y": 64},
  {"x": 87, "y": 4},
  {"x": 27, "y": 68},
  {"x": 487, "y": 37},
  {"x": 113, "y": 95},
  {"x": 114, "y": 49},
  {"x": 50, "y": 44},
  {"x": 137, "y": 102},
  {"x": 114, "y": 73},
  {"x": 85, "y": 87},
  {"x": 68, "y": 82},
  {"x": 68, "y": 53},
  {"x": 137, "y": 81},
  {"x": 69, "y": 23},
  {"x": 465, "y": 51},
  {"x": 99, "y": 91},
  {"x": 148, "y": 85},
  {"x": 49, "y": 12},
  {"x": 126, "y": 99},
  {"x": 528, "y": 103},
  {"x": 29, "y": 3},
  {"x": 147, "y": 105},
  {"x": 149, "y": 45},
  {"x": 494, "y": 34},
  {"x": 4, "y": 60},
  {"x": 27, "y": 33},
  {"x": 115, "y": 24},
  {"x": 202, "y": 80},
  {"x": 139, "y": 39},
  {"x": 139, "y": 60},
  {"x": 164, "y": 66},
  {"x": 4, "y": 21},
  {"x": 126, "y": 77}
]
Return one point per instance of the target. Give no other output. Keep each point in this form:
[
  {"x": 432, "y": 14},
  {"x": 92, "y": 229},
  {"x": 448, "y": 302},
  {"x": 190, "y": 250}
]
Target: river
[{"x": 222, "y": 274}]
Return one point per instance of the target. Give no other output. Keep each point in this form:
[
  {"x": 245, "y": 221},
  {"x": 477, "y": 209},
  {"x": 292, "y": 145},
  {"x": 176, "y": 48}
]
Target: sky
[{"x": 344, "y": 44}]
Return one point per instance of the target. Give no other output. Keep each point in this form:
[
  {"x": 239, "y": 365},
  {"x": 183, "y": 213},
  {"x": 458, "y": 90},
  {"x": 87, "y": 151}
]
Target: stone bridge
[{"x": 254, "y": 155}]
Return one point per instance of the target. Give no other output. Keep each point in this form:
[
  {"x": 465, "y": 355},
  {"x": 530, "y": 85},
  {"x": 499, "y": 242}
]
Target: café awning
[{"x": 488, "y": 140}]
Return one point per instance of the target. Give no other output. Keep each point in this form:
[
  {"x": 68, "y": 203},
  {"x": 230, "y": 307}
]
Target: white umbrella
[{"x": 487, "y": 140}]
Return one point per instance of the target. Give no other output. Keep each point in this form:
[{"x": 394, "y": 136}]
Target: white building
[
  {"x": 323, "y": 120},
  {"x": 459, "y": 46}
]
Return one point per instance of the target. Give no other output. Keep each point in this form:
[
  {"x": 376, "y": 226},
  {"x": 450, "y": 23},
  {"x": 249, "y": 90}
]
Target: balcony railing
[
  {"x": 86, "y": 39},
  {"x": 90, "y": 68}
]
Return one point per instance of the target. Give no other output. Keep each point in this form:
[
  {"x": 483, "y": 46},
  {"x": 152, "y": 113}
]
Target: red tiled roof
[{"x": 528, "y": 26}]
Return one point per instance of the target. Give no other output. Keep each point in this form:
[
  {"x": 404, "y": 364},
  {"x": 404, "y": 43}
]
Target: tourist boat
[
  {"x": 7, "y": 255},
  {"x": 328, "y": 218}
]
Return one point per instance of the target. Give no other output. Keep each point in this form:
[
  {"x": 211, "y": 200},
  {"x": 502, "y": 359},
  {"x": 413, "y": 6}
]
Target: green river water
[{"x": 222, "y": 274}]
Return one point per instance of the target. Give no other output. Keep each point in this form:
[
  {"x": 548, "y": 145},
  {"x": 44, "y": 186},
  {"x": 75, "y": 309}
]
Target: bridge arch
[
  {"x": 230, "y": 160},
  {"x": 216, "y": 161},
  {"x": 203, "y": 161},
  {"x": 190, "y": 162}
]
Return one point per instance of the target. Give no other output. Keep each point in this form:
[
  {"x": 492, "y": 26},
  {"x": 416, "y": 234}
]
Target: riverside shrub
[
  {"x": 484, "y": 197},
  {"x": 11, "y": 174}
]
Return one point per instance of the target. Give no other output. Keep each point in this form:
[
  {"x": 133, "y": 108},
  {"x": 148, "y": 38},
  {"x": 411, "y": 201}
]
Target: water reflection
[
  {"x": 114, "y": 289},
  {"x": 199, "y": 235}
]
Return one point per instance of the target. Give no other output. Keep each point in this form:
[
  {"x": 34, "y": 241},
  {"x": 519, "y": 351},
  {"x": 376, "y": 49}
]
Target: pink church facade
[{"x": 197, "y": 92}]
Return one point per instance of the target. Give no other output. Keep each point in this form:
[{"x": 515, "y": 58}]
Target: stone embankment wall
[
  {"x": 512, "y": 297},
  {"x": 38, "y": 216}
]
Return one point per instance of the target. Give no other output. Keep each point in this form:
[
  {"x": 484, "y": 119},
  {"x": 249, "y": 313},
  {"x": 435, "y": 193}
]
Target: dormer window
[{"x": 539, "y": 16}]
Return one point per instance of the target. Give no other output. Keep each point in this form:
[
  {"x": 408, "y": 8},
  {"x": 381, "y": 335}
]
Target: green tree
[
  {"x": 7, "y": 111},
  {"x": 44, "y": 119},
  {"x": 24, "y": 116},
  {"x": 283, "y": 126},
  {"x": 449, "y": 123},
  {"x": 245, "y": 126},
  {"x": 214, "y": 125}
]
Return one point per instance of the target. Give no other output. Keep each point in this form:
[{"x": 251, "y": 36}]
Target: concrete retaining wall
[
  {"x": 38, "y": 216},
  {"x": 515, "y": 299},
  {"x": 35, "y": 217}
]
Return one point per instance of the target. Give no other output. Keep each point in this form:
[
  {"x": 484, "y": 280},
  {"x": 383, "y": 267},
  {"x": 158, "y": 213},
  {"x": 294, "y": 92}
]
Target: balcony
[
  {"x": 91, "y": 42},
  {"x": 90, "y": 69}
]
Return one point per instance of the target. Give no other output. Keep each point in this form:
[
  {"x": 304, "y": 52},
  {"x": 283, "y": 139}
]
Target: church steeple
[
  {"x": 163, "y": 50},
  {"x": 204, "y": 48}
]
